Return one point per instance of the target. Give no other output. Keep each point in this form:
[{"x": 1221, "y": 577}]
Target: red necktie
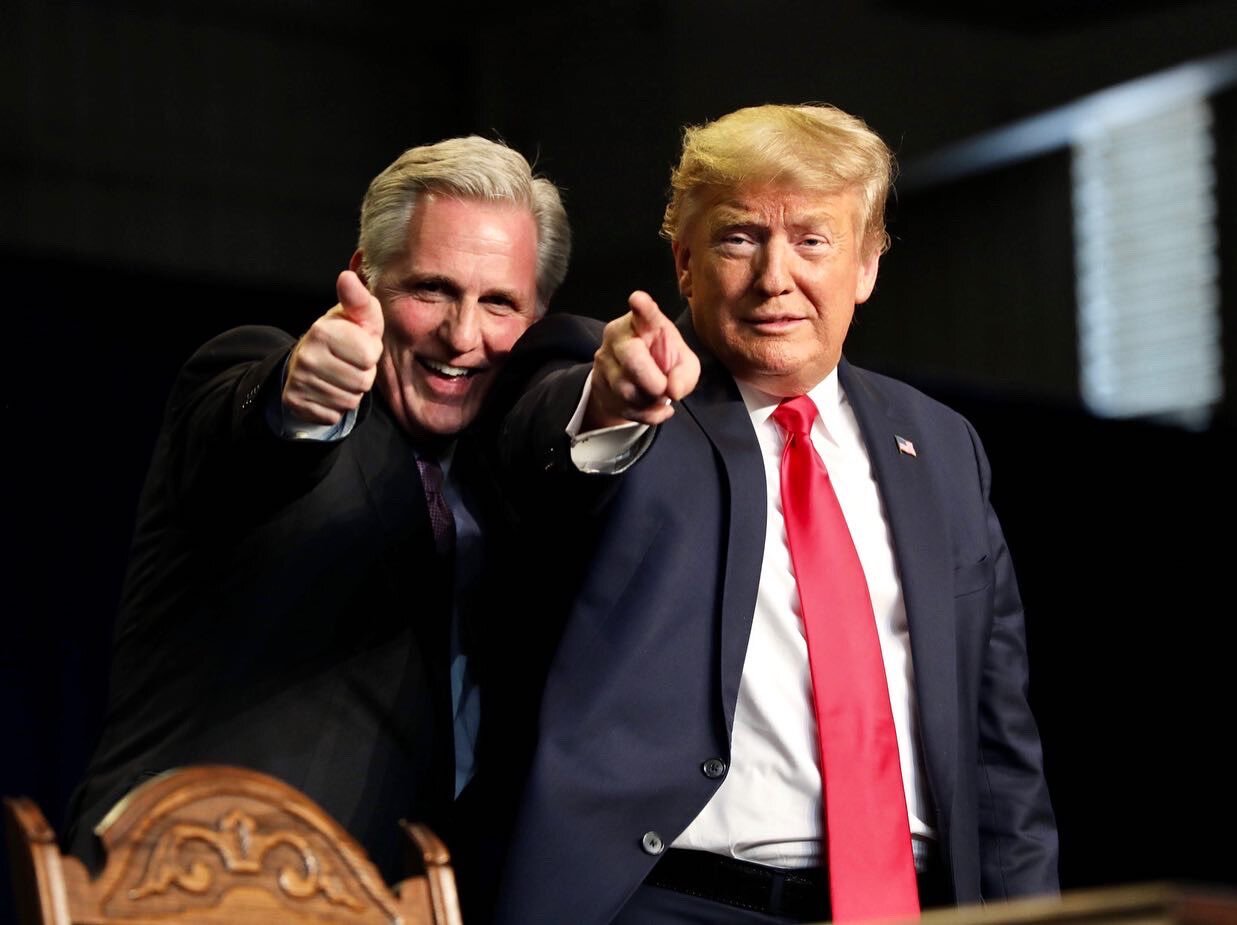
[{"x": 871, "y": 868}]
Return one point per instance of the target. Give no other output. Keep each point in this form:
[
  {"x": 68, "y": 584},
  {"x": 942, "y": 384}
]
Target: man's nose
[
  {"x": 461, "y": 327},
  {"x": 773, "y": 276}
]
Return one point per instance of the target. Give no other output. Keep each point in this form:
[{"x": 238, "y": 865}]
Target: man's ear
[
  {"x": 356, "y": 265},
  {"x": 867, "y": 277},
  {"x": 682, "y": 267}
]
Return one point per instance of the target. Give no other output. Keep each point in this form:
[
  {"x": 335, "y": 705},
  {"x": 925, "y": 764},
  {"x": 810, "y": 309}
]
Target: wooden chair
[{"x": 216, "y": 844}]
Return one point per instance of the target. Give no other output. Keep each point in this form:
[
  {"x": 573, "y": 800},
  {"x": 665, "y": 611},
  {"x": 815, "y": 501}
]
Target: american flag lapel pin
[{"x": 904, "y": 445}]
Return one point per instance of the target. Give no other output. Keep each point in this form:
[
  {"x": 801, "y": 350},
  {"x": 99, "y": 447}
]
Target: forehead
[
  {"x": 444, "y": 226},
  {"x": 771, "y": 204}
]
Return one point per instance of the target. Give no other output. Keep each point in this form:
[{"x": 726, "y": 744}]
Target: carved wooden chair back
[{"x": 209, "y": 845}]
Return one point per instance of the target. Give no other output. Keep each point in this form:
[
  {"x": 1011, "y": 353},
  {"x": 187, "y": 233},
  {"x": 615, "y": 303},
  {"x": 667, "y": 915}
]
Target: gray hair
[{"x": 468, "y": 168}]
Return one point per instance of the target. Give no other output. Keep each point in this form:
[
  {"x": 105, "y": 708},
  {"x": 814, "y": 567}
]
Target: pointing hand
[{"x": 643, "y": 365}]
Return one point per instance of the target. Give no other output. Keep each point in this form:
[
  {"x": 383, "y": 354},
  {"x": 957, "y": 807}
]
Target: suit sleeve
[
  {"x": 536, "y": 398},
  {"x": 1017, "y": 828},
  {"x": 218, "y": 449}
]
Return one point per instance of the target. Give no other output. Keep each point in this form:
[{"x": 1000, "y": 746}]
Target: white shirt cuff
[
  {"x": 288, "y": 427},
  {"x": 609, "y": 450},
  {"x": 293, "y": 429}
]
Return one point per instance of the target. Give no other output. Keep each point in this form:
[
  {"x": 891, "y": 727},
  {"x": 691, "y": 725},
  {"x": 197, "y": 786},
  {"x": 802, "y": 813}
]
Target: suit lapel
[
  {"x": 922, "y": 553},
  {"x": 718, "y": 408},
  {"x": 388, "y": 466},
  {"x": 386, "y": 460}
]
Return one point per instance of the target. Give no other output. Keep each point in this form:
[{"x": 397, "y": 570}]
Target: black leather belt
[{"x": 797, "y": 893}]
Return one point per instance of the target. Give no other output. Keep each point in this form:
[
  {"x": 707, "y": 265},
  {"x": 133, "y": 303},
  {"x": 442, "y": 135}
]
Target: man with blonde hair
[
  {"x": 791, "y": 681},
  {"x": 308, "y": 525}
]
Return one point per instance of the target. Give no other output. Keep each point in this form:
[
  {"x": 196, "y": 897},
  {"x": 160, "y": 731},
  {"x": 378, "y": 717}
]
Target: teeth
[{"x": 453, "y": 372}]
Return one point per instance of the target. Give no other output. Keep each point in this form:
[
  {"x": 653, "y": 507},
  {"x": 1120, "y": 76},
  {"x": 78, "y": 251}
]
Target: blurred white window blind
[{"x": 1145, "y": 244}]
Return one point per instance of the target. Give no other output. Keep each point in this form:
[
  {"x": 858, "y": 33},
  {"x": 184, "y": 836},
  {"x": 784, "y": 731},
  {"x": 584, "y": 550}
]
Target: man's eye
[{"x": 428, "y": 290}]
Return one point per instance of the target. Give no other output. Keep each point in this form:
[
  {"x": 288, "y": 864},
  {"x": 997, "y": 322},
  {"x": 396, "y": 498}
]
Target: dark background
[{"x": 170, "y": 169}]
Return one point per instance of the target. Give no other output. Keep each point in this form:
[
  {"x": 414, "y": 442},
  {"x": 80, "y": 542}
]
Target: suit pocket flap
[{"x": 972, "y": 577}]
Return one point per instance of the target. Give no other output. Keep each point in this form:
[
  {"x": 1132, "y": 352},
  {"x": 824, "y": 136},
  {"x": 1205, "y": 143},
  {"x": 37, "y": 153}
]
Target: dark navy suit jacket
[{"x": 655, "y": 610}]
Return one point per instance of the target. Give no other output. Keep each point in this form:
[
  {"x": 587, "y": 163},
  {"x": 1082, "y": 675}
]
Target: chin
[
  {"x": 763, "y": 366},
  {"x": 442, "y": 426}
]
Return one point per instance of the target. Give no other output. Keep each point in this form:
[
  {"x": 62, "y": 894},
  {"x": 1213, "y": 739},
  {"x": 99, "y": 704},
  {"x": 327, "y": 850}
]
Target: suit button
[
  {"x": 652, "y": 844},
  {"x": 713, "y": 768}
]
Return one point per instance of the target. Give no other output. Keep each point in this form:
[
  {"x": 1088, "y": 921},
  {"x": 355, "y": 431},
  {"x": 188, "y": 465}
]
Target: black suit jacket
[
  {"x": 657, "y": 605},
  {"x": 284, "y": 609}
]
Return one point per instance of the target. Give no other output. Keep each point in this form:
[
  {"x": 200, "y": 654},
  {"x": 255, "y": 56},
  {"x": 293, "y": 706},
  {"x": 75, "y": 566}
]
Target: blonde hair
[
  {"x": 468, "y": 168},
  {"x": 809, "y": 147}
]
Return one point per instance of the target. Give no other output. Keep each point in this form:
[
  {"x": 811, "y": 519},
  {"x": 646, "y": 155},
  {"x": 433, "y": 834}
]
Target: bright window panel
[{"x": 1145, "y": 240}]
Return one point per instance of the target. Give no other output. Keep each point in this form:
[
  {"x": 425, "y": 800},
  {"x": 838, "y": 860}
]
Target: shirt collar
[{"x": 826, "y": 395}]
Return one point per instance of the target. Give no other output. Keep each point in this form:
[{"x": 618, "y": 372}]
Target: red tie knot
[{"x": 795, "y": 415}]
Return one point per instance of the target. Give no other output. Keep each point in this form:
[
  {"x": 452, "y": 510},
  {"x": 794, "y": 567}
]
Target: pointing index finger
[{"x": 647, "y": 318}]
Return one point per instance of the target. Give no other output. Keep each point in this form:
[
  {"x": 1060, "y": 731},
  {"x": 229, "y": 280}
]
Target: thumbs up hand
[
  {"x": 333, "y": 366},
  {"x": 643, "y": 365}
]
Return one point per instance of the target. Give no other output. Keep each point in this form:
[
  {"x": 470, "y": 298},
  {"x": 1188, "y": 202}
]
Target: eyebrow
[
  {"x": 436, "y": 280},
  {"x": 447, "y": 284},
  {"x": 735, "y": 215},
  {"x": 730, "y": 216}
]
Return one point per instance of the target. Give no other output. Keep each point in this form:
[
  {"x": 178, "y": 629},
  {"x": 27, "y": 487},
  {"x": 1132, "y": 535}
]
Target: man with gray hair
[{"x": 306, "y": 532}]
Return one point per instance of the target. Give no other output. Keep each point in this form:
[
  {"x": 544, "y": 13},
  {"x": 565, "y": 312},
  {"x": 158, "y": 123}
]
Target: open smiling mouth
[{"x": 447, "y": 370}]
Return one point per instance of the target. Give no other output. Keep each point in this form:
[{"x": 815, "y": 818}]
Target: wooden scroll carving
[{"x": 209, "y": 845}]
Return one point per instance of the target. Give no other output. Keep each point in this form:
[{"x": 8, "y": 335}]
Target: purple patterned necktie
[{"x": 441, "y": 519}]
